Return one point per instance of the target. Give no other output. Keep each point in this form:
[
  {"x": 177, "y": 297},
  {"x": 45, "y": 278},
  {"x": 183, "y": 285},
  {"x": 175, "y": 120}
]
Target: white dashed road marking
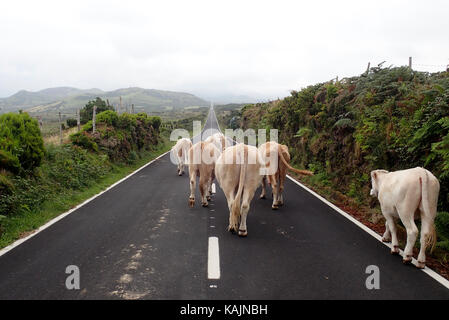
[{"x": 213, "y": 259}]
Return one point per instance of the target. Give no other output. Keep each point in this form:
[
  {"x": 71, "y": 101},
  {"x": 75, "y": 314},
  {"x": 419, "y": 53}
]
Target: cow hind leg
[
  {"x": 192, "y": 189},
  {"x": 392, "y": 227},
  {"x": 180, "y": 168},
  {"x": 248, "y": 195},
  {"x": 204, "y": 189},
  {"x": 387, "y": 234},
  {"x": 274, "y": 189},
  {"x": 427, "y": 237},
  {"x": 209, "y": 189},
  {"x": 264, "y": 184},
  {"x": 281, "y": 188},
  {"x": 230, "y": 197},
  {"x": 412, "y": 234}
]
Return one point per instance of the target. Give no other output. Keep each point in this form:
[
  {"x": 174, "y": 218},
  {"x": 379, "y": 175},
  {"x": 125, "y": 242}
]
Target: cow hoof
[
  {"x": 262, "y": 196},
  {"x": 274, "y": 207},
  {"x": 386, "y": 240},
  {"x": 421, "y": 265},
  {"x": 204, "y": 204},
  {"x": 395, "y": 251},
  {"x": 191, "y": 203},
  {"x": 243, "y": 233},
  {"x": 407, "y": 260},
  {"x": 208, "y": 198}
]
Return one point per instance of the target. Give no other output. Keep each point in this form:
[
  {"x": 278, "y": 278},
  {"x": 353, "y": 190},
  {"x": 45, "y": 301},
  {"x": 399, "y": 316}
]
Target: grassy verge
[{"x": 24, "y": 222}]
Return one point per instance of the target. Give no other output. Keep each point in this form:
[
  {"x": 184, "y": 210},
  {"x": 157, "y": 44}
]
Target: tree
[{"x": 87, "y": 111}]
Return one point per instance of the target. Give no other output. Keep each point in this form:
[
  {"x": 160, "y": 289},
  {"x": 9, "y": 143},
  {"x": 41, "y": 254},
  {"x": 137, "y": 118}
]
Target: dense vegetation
[
  {"x": 387, "y": 118},
  {"x": 21, "y": 144},
  {"x": 86, "y": 113},
  {"x": 32, "y": 175}
]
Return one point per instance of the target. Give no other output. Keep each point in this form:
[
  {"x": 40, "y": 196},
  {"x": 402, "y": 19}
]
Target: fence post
[
  {"x": 60, "y": 128},
  {"x": 132, "y": 107},
  {"x": 367, "y": 69},
  {"x": 410, "y": 62},
  {"x": 93, "y": 119},
  {"x": 78, "y": 120},
  {"x": 40, "y": 122}
]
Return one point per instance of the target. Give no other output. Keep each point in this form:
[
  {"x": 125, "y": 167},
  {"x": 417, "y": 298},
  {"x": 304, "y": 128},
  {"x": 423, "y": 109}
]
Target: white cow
[
  {"x": 180, "y": 152},
  {"x": 220, "y": 141},
  {"x": 202, "y": 158},
  {"x": 276, "y": 160},
  {"x": 238, "y": 172},
  {"x": 408, "y": 194}
]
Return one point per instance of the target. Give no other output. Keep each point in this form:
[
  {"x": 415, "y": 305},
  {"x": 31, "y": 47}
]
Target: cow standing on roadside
[
  {"x": 180, "y": 151},
  {"x": 238, "y": 172},
  {"x": 276, "y": 160},
  {"x": 202, "y": 158},
  {"x": 408, "y": 194}
]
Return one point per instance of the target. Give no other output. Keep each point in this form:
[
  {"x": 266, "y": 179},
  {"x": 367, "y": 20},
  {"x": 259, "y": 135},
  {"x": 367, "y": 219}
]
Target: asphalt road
[{"x": 140, "y": 240}]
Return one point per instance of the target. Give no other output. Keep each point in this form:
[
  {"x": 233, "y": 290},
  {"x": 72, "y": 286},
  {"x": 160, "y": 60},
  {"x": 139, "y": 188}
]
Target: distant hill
[{"x": 68, "y": 99}]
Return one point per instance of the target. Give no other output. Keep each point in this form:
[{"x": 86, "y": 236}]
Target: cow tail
[
  {"x": 303, "y": 172},
  {"x": 235, "y": 208},
  {"x": 431, "y": 238}
]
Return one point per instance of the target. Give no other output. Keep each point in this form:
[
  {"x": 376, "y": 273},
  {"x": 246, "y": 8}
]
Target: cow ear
[{"x": 374, "y": 175}]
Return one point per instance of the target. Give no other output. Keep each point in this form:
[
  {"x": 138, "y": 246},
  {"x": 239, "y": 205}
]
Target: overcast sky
[{"x": 213, "y": 48}]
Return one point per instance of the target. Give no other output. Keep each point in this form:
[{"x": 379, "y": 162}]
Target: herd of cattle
[{"x": 240, "y": 169}]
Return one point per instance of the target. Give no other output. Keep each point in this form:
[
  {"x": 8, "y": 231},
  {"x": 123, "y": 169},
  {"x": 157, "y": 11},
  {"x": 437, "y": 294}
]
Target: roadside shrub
[
  {"x": 87, "y": 126},
  {"x": 21, "y": 143},
  {"x": 127, "y": 121},
  {"x": 73, "y": 167},
  {"x": 121, "y": 137},
  {"x": 71, "y": 123},
  {"x": 81, "y": 139},
  {"x": 155, "y": 122},
  {"x": 64, "y": 167},
  {"x": 109, "y": 117},
  {"x": 9, "y": 162}
]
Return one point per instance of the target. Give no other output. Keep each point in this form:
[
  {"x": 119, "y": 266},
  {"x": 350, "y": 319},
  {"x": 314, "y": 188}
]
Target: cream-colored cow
[
  {"x": 408, "y": 194},
  {"x": 276, "y": 160},
  {"x": 202, "y": 158},
  {"x": 238, "y": 173},
  {"x": 180, "y": 152},
  {"x": 220, "y": 141}
]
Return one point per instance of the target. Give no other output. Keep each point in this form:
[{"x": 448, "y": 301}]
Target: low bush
[{"x": 21, "y": 143}]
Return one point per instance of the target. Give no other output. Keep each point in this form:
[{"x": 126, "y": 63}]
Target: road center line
[{"x": 213, "y": 259}]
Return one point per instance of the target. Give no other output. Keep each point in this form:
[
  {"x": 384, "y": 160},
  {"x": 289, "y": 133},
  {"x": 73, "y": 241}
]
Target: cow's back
[{"x": 407, "y": 184}]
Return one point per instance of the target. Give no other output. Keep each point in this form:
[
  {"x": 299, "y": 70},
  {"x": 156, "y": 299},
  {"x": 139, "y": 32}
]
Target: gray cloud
[{"x": 255, "y": 48}]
